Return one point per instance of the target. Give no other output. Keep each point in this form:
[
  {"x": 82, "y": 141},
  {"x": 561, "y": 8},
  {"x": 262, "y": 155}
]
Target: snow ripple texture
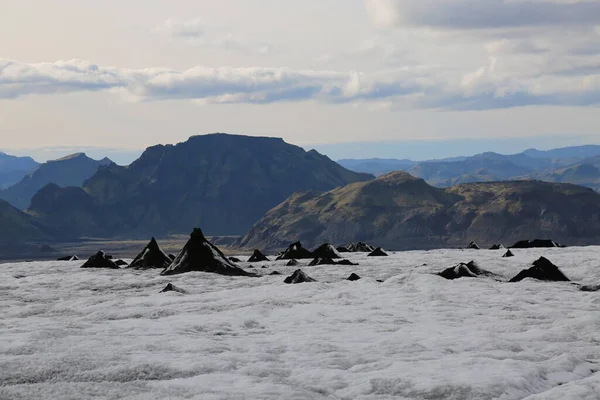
[{"x": 70, "y": 333}]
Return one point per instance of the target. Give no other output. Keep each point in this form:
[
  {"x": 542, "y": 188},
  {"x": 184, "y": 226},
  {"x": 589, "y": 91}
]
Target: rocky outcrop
[
  {"x": 462, "y": 270},
  {"x": 172, "y": 288},
  {"x": 68, "y": 258},
  {"x": 508, "y": 254},
  {"x": 200, "y": 255},
  {"x": 378, "y": 252},
  {"x": 326, "y": 251},
  {"x": 353, "y": 277},
  {"x": 360, "y": 247},
  {"x": 257, "y": 256},
  {"x": 298, "y": 277},
  {"x": 151, "y": 257},
  {"x": 100, "y": 260},
  {"x": 473, "y": 246},
  {"x": 295, "y": 251},
  {"x": 321, "y": 261},
  {"x": 292, "y": 263},
  {"x": 537, "y": 243},
  {"x": 497, "y": 247},
  {"x": 542, "y": 270}
]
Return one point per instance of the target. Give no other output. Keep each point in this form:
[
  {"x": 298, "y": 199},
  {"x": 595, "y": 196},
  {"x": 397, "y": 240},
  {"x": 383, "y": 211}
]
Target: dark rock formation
[
  {"x": 342, "y": 249},
  {"x": 121, "y": 263},
  {"x": 473, "y": 246},
  {"x": 537, "y": 243},
  {"x": 295, "y": 251},
  {"x": 590, "y": 288},
  {"x": 298, "y": 277},
  {"x": 326, "y": 251},
  {"x": 172, "y": 288},
  {"x": 360, "y": 247},
  {"x": 233, "y": 259},
  {"x": 200, "y": 255},
  {"x": 100, "y": 260},
  {"x": 346, "y": 262},
  {"x": 497, "y": 247},
  {"x": 508, "y": 254},
  {"x": 68, "y": 258},
  {"x": 353, "y": 277},
  {"x": 292, "y": 263},
  {"x": 462, "y": 270},
  {"x": 542, "y": 270},
  {"x": 257, "y": 256},
  {"x": 264, "y": 267},
  {"x": 275, "y": 273},
  {"x": 151, "y": 257},
  {"x": 172, "y": 256},
  {"x": 321, "y": 261},
  {"x": 378, "y": 252}
]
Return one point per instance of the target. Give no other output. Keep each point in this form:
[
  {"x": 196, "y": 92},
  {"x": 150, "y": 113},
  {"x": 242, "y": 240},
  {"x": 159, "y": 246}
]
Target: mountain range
[
  {"x": 576, "y": 165},
  {"x": 13, "y": 169},
  {"x": 71, "y": 170},
  {"x": 222, "y": 183},
  {"x": 273, "y": 193},
  {"x": 400, "y": 212}
]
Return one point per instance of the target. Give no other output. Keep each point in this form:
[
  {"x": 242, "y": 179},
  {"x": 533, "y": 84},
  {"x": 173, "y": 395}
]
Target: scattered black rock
[
  {"x": 151, "y": 257},
  {"x": 508, "y": 254},
  {"x": 497, "y": 247},
  {"x": 321, "y": 261},
  {"x": 172, "y": 288},
  {"x": 537, "y": 243},
  {"x": 295, "y": 251},
  {"x": 234, "y": 259},
  {"x": 18, "y": 276},
  {"x": 298, "y": 277},
  {"x": 473, "y": 246},
  {"x": 250, "y": 266},
  {"x": 326, "y": 251},
  {"x": 264, "y": 266},
  {"x": 292, "y": 263},
  {"x": 100, "y": 260},
  {"x": 275, "y": 273},
  {"x": 590, "y": 288},
  {"x": 542, "y": 270},
  {"x": 68, "y": 258},
  {"x": 121, "y": 263},
  {"x": 342, "y": 249},
  {"x": 257, "y": 256},
  {"x": 462, "y": 270},
  {"x": 380, "y": 280},
  {"x": 360, "y": 247},
  {"x": 378, "y": 252},
  {"x": 345, "y": 262},
  {"x": 200, "y": 255},
  {"x": 353, "y": 277}
]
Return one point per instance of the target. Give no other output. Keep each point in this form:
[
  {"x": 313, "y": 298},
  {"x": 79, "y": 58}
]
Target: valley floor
[{"x": 69, "y": 333}]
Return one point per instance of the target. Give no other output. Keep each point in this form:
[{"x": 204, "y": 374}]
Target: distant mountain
[
  {"x": 220, "y": 182},
  {"x": 377, "y": 166},
  {"x": 574, "y": 152},
  {"x": 72, "y": 170},
  {"x": 13, "y": 169},
  {"x": 581, "y": 174},
  {"x": 16, "y": 226},
  {"x": 399, "y": 211}
]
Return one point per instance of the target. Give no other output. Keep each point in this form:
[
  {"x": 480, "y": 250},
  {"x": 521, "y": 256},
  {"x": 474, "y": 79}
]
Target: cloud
[
  {"x": 482, "y": 88},
  {"x": 195, "y": 32},
  {"x": 484, "y": 14}
]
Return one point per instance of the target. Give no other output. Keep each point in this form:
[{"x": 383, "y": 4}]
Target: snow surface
[{"x": 71, "y": 333}]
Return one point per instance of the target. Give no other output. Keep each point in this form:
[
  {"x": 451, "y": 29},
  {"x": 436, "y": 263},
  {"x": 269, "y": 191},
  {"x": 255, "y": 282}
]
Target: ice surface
[{"x": 71, "y": 333}]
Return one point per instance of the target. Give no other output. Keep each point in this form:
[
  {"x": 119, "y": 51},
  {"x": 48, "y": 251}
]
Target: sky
[{"x": 352, "y": 78}]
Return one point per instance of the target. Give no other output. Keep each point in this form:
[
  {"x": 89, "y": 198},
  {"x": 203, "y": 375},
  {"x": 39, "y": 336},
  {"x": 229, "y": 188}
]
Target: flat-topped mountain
[
  {"x": 71, "y": 170},
  {"x": 399, "y": 211},
  {"x": 221, "y": 182}
]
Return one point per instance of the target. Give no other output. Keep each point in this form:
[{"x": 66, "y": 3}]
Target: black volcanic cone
[
  {"x": 121, "y": 263},
  {"x": 100, "y": 260},
  {"x": 295, "y": 251},
  {"x": 378, "y": 252},
  {"x": 497, "y": 247},
  {"x": 298, "y": 277},
  {"x": 462, "y": 270},
  {"x": 360, "y": 247},
  {"x": 508, "y": 254},
  {"x": 257, "y": 256},
  {"x": 292, "y": 263},
  {"x": 321, "y": 261},
  {"x": 68, "y": 258},
  {"x": 151, "y": 257},
  {"x": 172, "y": 288},
  {"x": 199, "y": 254},
  {"x": 326, "y": 251},
  {"x": 537, "y": 243},
  {"x": 353, "y": 277},
  {"x": 342, "y": 249},
  {"x": 542, "y": 270},
  {"x": 473, "y": 246}
]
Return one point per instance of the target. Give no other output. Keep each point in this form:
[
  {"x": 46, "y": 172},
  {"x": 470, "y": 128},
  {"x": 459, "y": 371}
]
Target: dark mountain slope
[
  {"x": 398, "y": 211},
  {"x": 223, "y": 183},
  {"x": 13, "y": 169}
]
